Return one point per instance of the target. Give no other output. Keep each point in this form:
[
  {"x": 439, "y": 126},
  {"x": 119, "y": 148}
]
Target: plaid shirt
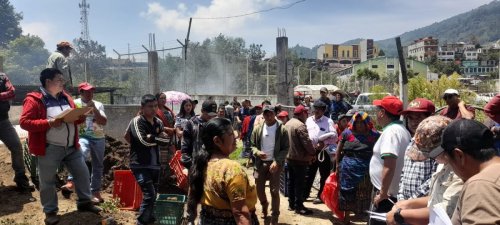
[{"x": 415, "y": 178}]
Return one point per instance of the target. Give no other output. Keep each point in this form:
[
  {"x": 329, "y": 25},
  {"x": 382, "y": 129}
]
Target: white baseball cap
[{"x": 451, "y": 91}]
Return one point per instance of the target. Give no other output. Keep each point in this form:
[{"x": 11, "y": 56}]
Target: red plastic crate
[
  {"x": 177, "y": 167},
  {"x": 127, "y": 189}
]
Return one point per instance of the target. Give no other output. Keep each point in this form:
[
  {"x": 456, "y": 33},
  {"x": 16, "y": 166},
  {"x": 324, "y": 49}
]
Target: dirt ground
[{"x": 16, "y": 208}]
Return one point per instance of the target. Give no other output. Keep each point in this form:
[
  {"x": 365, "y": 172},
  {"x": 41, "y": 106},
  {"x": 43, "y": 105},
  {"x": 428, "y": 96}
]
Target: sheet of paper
[
  {"x": 377, "y": 215},
  {"x": 437, "y": 216}
]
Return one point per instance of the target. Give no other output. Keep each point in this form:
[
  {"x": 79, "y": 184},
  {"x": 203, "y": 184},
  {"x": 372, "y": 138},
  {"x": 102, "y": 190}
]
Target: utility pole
[
  {"x": 267, "y": 78},
  {"x": 403, "y": 77},
  {"x": 185, "y": 45},
  {"x": 247, "y": 77}
]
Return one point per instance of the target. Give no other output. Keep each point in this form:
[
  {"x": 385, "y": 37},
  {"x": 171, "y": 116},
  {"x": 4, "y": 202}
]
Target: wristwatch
[{"x": 398, "y": 218}]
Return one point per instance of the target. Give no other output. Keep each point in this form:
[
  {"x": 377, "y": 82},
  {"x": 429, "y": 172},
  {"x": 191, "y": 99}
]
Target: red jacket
[{"x": 34, "y": 120}]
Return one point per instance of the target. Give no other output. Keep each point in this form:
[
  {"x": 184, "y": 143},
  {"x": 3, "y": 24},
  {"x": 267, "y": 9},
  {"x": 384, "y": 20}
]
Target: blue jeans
[
  {"x": 47, "y": 167},
  {"x": 148, "y": 181},
  {"x": 93, "y": 150},
  {"x": 9, "y": 137}
]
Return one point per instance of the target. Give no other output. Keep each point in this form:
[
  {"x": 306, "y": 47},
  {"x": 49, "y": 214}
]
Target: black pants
[
  {"x": 296, "y": 185},
  {"x": 324, "y": 172}
]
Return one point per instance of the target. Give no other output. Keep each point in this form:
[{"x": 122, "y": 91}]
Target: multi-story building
[
  {"x": 446, "y": 56},
  {"x": 384, "y": 66},
  {"x": 423, "y": 48},
  {"x": 339, "y": 55},
  {"x": 476, "y": 68},
  {"x": 368, "y": 49},
  {"x": 472, "y": 54},
  {"x": 347, "y": 55}
]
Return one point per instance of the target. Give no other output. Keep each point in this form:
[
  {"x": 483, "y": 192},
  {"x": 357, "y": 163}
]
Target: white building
[{"x": 446, "y": 56}]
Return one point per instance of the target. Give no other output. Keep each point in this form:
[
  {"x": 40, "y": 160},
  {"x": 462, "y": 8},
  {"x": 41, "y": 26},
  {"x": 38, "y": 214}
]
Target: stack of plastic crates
[
  {"x": 284, "y": 179},
  {"x": 169, "y": 209}
]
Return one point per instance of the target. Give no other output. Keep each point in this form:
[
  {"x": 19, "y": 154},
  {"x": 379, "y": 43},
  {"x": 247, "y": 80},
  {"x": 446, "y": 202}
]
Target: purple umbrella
[{"x": 176, "y": 97}]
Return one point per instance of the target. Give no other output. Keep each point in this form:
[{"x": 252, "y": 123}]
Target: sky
[{"x": 118, "y": 24}]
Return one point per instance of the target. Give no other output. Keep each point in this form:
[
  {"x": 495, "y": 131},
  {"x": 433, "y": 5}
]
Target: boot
[
  {"x": 51, "y": 218},
  {"x": 88, "y": 207}
]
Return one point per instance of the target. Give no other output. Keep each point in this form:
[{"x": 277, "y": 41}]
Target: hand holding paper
[{"x": 72, "y": 115}]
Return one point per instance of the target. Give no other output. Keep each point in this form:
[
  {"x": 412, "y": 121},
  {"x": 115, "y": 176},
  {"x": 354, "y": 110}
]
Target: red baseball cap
[
  {"x": 298, "y": 94},
  {"x": 283, "y": 114},
  {"x": 420, "y": 105},
  {"x": 391, "y": 104},
  {"x": 64, "y": 44},
  {"x": 299, "y": 109},
  {"x": 85, "y": 87}
]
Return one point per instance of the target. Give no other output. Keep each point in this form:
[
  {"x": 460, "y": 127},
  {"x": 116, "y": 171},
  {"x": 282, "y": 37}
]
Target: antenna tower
[{"x": 84, "y": 19}]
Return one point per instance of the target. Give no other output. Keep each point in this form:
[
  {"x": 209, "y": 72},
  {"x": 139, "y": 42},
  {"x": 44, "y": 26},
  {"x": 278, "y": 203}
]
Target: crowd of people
[{"x": 406, "y": 169}]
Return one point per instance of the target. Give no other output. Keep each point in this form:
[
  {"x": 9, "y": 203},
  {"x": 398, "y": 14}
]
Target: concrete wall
[
  {"x": 120, "y": 115},
  {"x": 118, "y": 118}
]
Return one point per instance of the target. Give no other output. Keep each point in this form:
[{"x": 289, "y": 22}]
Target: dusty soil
[{"x": 16, "y": 208}]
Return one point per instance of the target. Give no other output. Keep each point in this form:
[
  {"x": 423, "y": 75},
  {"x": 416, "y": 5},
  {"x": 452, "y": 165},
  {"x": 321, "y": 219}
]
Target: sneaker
[
  {"x": 97, "y": 198},
  {"x": 88, "y": 207},
  {"x": 67, "y": 189},
  {"x": 317, "y": 201},
  {"x": 51, "y": 218},
  {"x": 304, "y": 211}
]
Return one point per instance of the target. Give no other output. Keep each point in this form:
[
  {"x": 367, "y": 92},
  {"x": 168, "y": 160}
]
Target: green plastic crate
[{"x": 169, "y": 209}]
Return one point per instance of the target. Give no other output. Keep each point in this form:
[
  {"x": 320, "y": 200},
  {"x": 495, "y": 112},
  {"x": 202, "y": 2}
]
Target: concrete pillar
[
  {"x": 154, "y": 80},
  {"x": 284, "y": 82}
]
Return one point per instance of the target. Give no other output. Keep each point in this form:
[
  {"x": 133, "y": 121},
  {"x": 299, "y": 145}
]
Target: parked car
[{"x": 364, "y": 102}]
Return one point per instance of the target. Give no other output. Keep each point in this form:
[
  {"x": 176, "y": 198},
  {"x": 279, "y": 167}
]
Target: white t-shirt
[
  {"x": 394, "y": 140},
  {"x": 91, "y": 129},
  {"x": 268, "y": 140}
]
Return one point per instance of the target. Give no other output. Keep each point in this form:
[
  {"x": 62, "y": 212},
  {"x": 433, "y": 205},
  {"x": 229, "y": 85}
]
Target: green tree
[
  {"x": 89, "y": 57},
  {"x": 9, "y": 23},
  {"x": 419, "y": 87},
  {"x": 25, "y": 58},
  {"x": 381, "y": 53},
  {"x": 366, "y": 73},
  {"x": 256, "y": 67},
  {"x": 379, "y": 92}
]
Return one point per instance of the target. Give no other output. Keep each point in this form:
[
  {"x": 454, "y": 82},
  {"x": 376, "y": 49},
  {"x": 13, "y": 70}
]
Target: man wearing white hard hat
[{"x": 456, "y": 109}]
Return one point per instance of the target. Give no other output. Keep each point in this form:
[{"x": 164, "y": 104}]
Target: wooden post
[{"x": 284, "y": 84}]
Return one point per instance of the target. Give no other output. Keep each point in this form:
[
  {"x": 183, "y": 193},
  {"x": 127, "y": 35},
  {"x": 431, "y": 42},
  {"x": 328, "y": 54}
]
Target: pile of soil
[{"x": 116, "y": 157}]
